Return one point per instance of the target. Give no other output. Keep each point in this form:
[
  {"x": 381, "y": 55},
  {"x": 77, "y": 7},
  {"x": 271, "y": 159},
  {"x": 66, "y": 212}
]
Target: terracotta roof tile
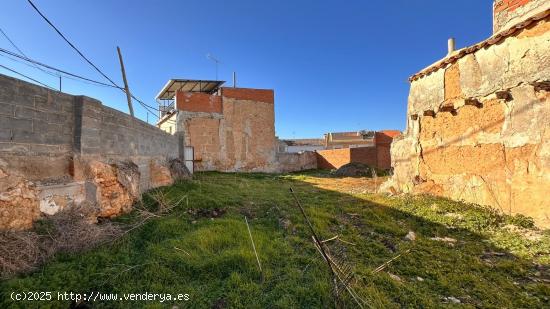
[{"x": 472, "y": 49}]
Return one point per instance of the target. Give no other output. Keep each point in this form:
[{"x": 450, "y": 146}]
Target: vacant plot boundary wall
[
  {"x": 479, "y": 125},
  {"x": 293, "y": 162},
  {"x": 335, "y": 158},
  {"x": 58, "y": 150},
  {"x": 377, "y": 155}
]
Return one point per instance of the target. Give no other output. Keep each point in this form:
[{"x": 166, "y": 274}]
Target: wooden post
[{"x": 128, "y": 95}]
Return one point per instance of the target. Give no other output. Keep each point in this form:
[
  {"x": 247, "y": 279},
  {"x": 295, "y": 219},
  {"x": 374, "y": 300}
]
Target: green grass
[{"x": 212, "y": 259}]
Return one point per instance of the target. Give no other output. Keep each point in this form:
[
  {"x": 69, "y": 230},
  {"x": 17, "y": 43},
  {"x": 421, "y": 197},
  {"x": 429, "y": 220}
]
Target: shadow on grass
[{"x": 463, "y": 255}]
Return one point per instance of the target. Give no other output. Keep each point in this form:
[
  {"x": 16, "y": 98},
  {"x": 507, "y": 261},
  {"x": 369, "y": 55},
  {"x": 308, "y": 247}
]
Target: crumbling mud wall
[
  {"x": 478, "y": 126},
  {"x": 234, "y": 131},
  {"x": 58, "y": 151}
]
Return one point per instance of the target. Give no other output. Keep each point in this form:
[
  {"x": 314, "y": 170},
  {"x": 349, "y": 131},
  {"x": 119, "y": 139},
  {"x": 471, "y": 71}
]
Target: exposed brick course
[
  {"x": 260, "y": 95},
  {"x": 509, "y": 5},
  {"x": 506, "y": 13},
  {"x": 198, "y": 102}
]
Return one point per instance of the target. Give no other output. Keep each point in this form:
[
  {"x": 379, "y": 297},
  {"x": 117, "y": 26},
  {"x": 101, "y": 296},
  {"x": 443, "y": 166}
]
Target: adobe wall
[
  {"x": 478, "y": 129},
  {"x": 236, "y": 135},
  {"x": 58, "y": 150}
]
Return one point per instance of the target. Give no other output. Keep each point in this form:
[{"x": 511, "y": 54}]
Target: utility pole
[
  {"x": 59, "y": 83},
  {"x": 128, "y": 95}
]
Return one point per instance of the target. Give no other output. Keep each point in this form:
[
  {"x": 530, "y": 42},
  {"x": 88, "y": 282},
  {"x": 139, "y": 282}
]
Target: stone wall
[
  {"x": 58, "y": 150},
  {"x": 478, "y": 127}
]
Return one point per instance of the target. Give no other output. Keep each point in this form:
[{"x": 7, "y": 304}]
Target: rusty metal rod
[{"x": 318, "y": 242}]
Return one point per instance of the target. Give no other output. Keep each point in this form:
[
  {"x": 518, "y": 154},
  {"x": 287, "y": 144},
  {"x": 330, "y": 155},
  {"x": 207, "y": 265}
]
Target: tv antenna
[{"x": 216, "y": 61}]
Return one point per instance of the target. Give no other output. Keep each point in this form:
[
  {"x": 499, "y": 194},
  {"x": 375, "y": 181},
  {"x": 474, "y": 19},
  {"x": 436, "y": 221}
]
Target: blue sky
[{"x": 334, "y": 65}]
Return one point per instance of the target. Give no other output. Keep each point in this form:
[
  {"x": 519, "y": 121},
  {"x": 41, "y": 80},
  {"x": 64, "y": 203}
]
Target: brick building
[{"x": 226, "y": 129}]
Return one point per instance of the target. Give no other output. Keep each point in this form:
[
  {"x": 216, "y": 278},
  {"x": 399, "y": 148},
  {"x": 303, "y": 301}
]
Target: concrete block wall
[
  {"x": 41, "y": 124},
  {"x": 58, "y": 150},
  {"x": 111, "y": 133},
  {"x": 34, "y": 120},
  {"x": 108, "y": 134}
]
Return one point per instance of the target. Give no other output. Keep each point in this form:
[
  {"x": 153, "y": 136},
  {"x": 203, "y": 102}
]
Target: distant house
[
  {"x": 300, "y": 145},
  {"x": 222, "y": 128},
  {"x": 363, "y": 138},
  {"x": 367, "y": 147}
]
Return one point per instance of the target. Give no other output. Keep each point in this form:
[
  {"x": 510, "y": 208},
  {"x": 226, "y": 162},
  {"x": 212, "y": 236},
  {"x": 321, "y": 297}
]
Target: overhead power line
[
  {"x": 5, "y": 51},
  {"x": 27, "y": 77},
  {"x": 71, "y": 44},
  {"x": 146, "y": 106},
  {"x": 21, "y": 52},
  {"x": 56, "y": 74}
]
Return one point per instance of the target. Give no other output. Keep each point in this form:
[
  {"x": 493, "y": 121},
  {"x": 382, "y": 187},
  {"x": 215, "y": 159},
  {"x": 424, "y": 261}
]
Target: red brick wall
[
  {"x": 378, "y": 156},
  {"x": 198, "y": 102},
  {"x": 333, "y": 158},
  {"x": 509, "y": 5},
  {"x": 383, "y": 156},
  {"x": 261, "y": 95},
  {"x": 507, "y": 13},
  {"x": 365, "y": 155},
  {"x": 383, "y": 140},
  {"x": 385, "y": 137}
]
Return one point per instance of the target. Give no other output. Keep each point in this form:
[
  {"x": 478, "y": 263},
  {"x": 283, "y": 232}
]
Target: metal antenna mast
[{"x": 216, "y": 61}]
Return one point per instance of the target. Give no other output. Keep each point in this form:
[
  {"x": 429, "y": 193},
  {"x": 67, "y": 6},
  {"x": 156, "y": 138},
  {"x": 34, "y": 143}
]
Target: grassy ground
[{"x": 202, "y": 247}]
